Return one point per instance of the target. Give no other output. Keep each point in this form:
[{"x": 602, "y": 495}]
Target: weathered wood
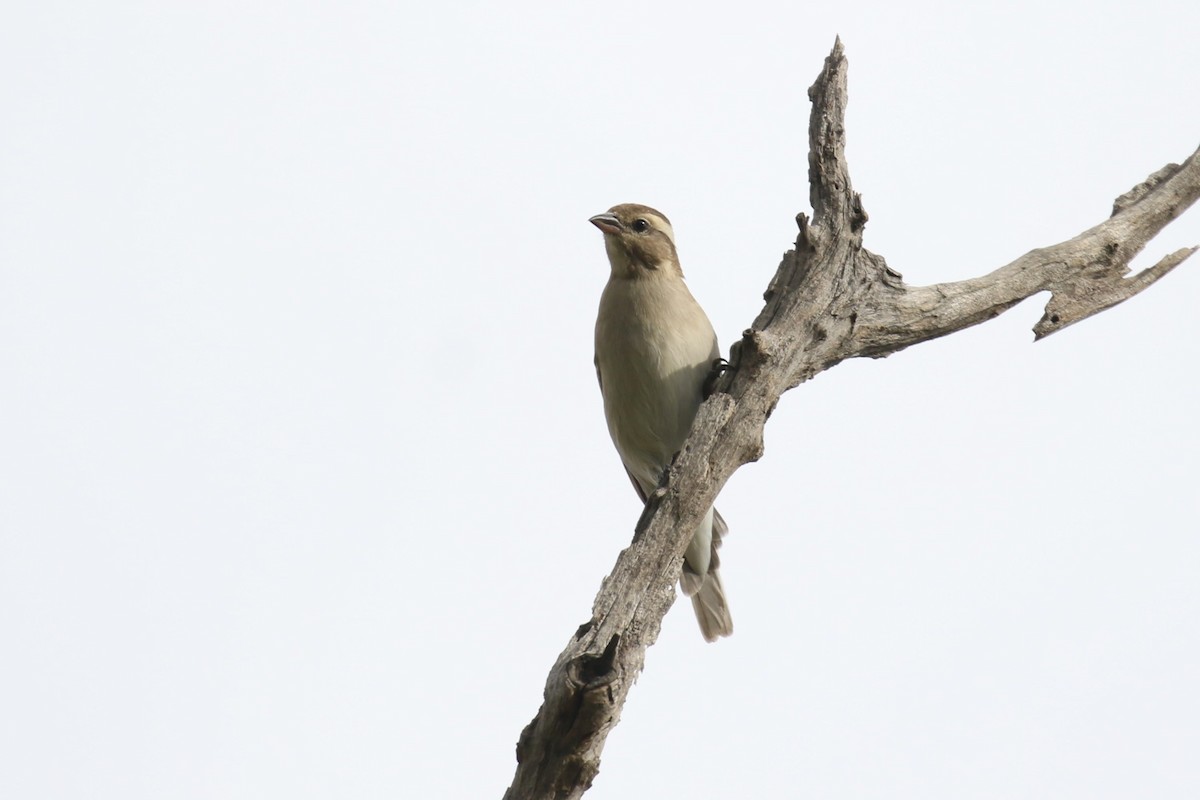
[{"x": 829, "y": 300}]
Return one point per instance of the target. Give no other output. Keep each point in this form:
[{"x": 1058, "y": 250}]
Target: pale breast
[{"x": 654, "y": 349}]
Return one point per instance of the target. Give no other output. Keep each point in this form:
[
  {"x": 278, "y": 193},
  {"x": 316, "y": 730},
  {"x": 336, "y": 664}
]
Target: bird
[{"x": 655, "y": 348}]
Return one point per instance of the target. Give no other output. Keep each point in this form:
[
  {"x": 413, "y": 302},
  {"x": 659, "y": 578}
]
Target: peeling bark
[{"x": 829, "y": 300}]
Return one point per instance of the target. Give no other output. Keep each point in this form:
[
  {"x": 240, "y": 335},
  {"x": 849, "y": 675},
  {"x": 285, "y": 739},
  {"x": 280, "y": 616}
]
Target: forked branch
[{"x": 829, "y": 300}]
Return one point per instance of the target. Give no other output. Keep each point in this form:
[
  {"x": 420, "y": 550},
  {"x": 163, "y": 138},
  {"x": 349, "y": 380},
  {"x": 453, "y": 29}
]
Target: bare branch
[{"x": 829, "y": 300}]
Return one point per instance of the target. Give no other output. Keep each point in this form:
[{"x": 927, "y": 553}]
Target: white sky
[{"x": 304, "y": 479}]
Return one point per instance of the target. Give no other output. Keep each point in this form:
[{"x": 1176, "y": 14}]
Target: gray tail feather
[
  {"x": 708, "y": 601},
  {"x": 707, "y": 591}
]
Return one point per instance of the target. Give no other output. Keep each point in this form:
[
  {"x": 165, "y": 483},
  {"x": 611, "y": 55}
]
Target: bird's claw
[{"x": 718, "y": 368}]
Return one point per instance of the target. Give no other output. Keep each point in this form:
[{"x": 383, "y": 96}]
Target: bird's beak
[{"x": 606, "y": 222}]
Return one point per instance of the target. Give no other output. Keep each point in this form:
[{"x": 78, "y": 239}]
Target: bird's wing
[{"x": 637, "y": 487}]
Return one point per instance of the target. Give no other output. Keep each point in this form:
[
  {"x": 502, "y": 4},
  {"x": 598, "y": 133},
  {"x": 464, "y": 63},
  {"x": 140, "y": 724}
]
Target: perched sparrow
[{"x": 654, "y": 350}]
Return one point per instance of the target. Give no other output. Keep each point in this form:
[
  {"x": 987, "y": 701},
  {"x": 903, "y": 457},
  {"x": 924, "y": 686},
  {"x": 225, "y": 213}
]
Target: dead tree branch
[{"x": 830, "y": 300}]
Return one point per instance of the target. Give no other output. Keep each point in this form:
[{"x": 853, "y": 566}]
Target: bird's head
[{"x": 639, "y": 241}]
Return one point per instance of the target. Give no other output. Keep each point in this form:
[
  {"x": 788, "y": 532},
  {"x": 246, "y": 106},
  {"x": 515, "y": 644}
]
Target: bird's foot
[{"x": 719, "y": 367}]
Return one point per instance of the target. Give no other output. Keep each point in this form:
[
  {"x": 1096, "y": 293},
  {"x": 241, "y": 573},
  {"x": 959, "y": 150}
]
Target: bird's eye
[{"x": 641, "y": 226}]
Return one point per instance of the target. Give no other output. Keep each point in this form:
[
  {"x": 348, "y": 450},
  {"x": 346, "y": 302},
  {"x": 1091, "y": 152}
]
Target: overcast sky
[{"x": 304, "y": 478}]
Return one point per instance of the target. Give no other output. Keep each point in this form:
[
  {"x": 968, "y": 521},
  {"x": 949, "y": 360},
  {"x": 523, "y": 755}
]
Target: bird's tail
[
  {"x": 701, "y": 580},
  {"x": 712, "y": 610}
]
